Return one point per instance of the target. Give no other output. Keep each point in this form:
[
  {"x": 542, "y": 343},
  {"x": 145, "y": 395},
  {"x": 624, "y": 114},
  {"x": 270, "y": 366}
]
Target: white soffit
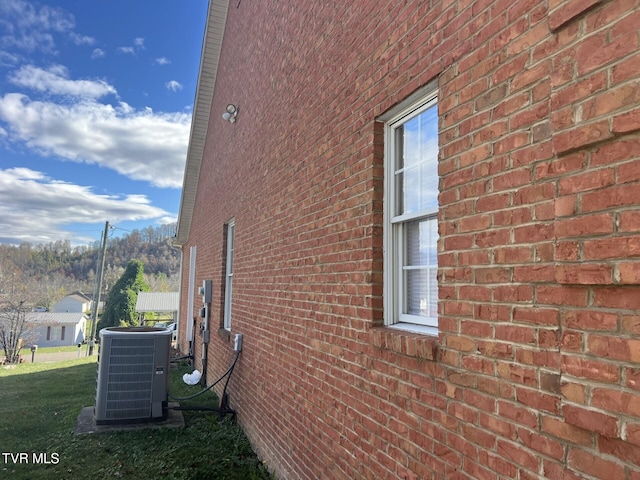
[{"x": 211, "y": 47}]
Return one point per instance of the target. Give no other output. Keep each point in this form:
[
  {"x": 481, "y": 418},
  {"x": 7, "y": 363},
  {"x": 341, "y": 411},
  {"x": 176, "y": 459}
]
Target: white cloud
[
  {"x": 138, "y": 45},
  {"x": 28, "y": 27},
  {"x": 36, "y": 208},
  {"x": 56, "y": 81},
  {"x": 82, "y": 39},
  {"x": 97, "y": 53},
  {"x": 173, "y": 86},
  {"x": 139, "y": 144},
  {"x": 162, "y": 61}
]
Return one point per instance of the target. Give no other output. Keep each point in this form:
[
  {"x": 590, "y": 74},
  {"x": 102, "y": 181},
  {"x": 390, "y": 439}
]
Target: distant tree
[
  {"x": 120, "y": 306},
  {"x": 13, "y": 329}
]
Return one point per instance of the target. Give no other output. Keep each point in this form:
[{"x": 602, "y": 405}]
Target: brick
[
  {"x": 533, "y": 233},
  {"x": 517, "y": 413},
  {"x": 531, "y": 75},
  {"x": 512, "y": 333},
  {"x": 574, "y": 92},
  {"x": 616, "y": 348},
  {"x": 561, "y": 166},
  {"x": 591, "y": 420},
  {"x": 619, "y": 449},
  {"x": 511, "y": 142},
  {"x": 590, "y": 320},
  {"x": 518, "y": 454},
  {"x": 615, "y": 152},
  {"x": 506, "y": 255},
  {"x": 566, "y": 206},
  {"x": 474, "y": 223},
  {"x": 598, "y": 53},
  {"x": 561, "y": 295},
  {"x": 628, "y": 273},
  {"x": 585, "y": 274},
  {"x": 629, "y": 172},
  {"x": 614, "y": 99},
  {"x": 581, "y": 136},
  {"x": 493, "y": 202},
  {"x": 495, "y": 349},
  {"x": 617, "y": 297},
  {"x": 492, "y": 275},
  {"x": 553, "y": 470},
  {"x": 585, "y": 225},
  {"x": 568, "y": 11},
  {"x": 540, "y": 357},
  {"x": 567, "y": 251},
  {"x": 630, "y": 324},
  {"x": 574, "y": 392},
  {"x": 544, "y": 445},
  {"x": 587, "y": 181},
  {"x": 572, "y": 341},
  {"x": 584, "y": 461},
  {"x": 633, "y": 433},
  {"x": 491, "y": 97},
  {"x": 615, "y": 196},
  {"x": 615, "y": 401},
  {"x": 590, "y": 369},
  {"x": 626, "y": 122},
  {"x": 513, "y": 293},
  {"x": 535, "y": 316},
  {"x": 513, "y": 216},
  {"x": 565, "y": 431},
  {"x": 626, "y": 69},
  {"x": 615, "y": 247},
  {"x": 534, "y": 193},
  {"x": 473, "y": 156}
]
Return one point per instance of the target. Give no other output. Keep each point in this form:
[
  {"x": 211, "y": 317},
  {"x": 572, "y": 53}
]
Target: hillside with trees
[{"x": 55, "y": 269}]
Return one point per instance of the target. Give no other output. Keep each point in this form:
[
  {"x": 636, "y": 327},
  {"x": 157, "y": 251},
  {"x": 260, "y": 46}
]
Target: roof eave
[{"x": 210, "y": 57}]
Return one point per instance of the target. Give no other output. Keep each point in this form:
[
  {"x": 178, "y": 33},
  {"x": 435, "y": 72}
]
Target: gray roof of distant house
[
  {"x": 157, "y": 302},
  {"x": 54, "y": 317}
]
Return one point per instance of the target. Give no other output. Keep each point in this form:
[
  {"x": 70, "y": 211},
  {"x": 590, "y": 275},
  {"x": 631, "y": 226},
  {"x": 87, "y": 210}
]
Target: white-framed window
[
  {"x": 411, "y": 216},
  {"x": 228, "y": 285}
]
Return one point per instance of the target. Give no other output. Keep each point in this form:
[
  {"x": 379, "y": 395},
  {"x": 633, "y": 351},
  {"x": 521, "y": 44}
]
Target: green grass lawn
[
  {"x": 26, "y": 352},
  {"x": 39, "y": 406}
]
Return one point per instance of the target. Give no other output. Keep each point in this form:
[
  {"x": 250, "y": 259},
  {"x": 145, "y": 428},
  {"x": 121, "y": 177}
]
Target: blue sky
[{"x": 95, "y": 111}]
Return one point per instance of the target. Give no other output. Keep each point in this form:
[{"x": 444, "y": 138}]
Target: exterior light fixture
[{"x": 231, "y": 113}]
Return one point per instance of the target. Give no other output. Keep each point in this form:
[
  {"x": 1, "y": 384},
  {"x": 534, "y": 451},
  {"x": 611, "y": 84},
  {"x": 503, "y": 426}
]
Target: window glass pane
[
  {"x": 421, "y": 238},
  {"x": 230, "y": 250},
  {"x": 421, "y": 267},
  {"x": 416, "y": 166},
  {"x": 422, "y": 292}
]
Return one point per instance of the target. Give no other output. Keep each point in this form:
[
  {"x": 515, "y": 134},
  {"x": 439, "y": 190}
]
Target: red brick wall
[{"x": 536, "y": 370}]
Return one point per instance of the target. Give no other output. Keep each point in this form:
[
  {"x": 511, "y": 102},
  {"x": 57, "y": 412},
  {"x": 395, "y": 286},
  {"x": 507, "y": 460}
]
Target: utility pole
[{"x": 96, "y": 296}]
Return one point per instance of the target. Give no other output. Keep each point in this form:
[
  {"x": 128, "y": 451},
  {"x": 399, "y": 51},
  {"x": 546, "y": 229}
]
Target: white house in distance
[
  {"x": 55, "y": 329},
  {"x": 74, "y": 302}
]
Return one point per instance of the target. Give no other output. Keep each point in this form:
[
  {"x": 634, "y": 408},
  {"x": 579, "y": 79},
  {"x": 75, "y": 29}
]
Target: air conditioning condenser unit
[{"x": 133, "y": 375}]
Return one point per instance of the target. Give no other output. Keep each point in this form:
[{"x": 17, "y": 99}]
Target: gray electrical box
[{"x": 205, "y": 291}]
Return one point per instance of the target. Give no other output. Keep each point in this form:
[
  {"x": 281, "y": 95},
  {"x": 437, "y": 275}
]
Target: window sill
[{"x": 412, "y": 341}]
